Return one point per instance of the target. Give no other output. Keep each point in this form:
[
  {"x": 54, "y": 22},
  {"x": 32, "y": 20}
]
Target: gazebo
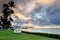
[{"x": 17, "y": 27}]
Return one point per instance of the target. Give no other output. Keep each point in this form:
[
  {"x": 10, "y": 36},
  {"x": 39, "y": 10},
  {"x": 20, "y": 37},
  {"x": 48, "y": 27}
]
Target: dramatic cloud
[{"x": 36, "y": 13}]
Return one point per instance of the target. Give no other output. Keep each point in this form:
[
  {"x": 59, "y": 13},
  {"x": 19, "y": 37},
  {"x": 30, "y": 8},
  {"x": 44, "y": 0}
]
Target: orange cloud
[
  {"x": 20, "y": 6},
  {"x": 21, "y": 16},
  {"x": 29, "y": 24},
  {"x": 32, "y": 5},
  {"x": 46, "y": 1},
  {"x": 49, "y": 26}
]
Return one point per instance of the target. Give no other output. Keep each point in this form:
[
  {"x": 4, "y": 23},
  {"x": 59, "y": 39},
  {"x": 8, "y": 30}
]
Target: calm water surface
[{"x": 46, "y": 30}]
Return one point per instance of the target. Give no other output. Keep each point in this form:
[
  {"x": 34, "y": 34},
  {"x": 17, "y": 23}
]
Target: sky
[{"x": 35, "y": 13}]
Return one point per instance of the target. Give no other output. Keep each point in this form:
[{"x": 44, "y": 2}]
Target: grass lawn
[{"x": 9, "y": 35}]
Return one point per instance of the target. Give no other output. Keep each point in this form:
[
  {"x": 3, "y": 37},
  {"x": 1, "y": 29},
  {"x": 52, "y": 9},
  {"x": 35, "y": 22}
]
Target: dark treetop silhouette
[{"x": 5, "y": 20}]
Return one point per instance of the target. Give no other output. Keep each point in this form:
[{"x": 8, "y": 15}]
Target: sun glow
[
  {"x": 29, "y": 24},
  {"x": 20, "y": 7},
  {"x": 21, "y": 16}
]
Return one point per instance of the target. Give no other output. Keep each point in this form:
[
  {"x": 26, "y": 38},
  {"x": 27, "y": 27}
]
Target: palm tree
[
  {"x": 7, "y": 11},
  {"x": 11, "y": 4}
]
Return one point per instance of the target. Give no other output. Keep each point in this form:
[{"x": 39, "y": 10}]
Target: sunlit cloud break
[{"x": 37, "y": 13}]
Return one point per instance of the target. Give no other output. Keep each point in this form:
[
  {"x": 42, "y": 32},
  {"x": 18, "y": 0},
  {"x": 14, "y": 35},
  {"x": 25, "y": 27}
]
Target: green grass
[{"x": 9, "y": 35}]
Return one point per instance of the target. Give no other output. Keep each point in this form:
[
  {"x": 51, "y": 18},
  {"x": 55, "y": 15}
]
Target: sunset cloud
[{"x": 36, "y": 13}]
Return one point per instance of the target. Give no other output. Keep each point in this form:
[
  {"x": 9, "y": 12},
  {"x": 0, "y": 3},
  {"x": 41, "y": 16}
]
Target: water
[{"x": 46, "y": 30}]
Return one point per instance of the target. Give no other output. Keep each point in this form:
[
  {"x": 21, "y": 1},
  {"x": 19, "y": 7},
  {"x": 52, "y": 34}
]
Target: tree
[{"x": 7, "y": 11}]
